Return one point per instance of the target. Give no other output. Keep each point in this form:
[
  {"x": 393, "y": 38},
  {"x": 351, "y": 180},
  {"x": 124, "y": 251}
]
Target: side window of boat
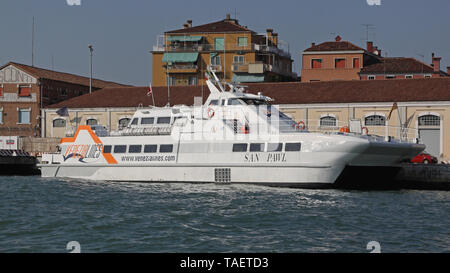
[
  {"x": 147, "y": 120},
  {"x": 240, "y": 147},
  {"x": 120, "y": 149},
  {"x": 163, "y": 120},
  {"x": 166, "y": 148},
  {"x": 107, "y": 149},
  {"x": 150, "y": 148},
  {"x": 135, "y": 121},
  {"x": 214, "y": 102},
  {"x": 135, "y": 149},
  {"x": 293, "y": 147},
  {"x": 235, "y": 102},
  {"x": 274, "y": 147},
  {"x": 256, "y": 147}
]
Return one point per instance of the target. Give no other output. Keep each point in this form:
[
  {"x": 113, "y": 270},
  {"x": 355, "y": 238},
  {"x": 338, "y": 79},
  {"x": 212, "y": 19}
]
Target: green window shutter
[
  {"x": 242, "y": 41},
  {"x": 180, "y": 57},
  {"x": 219, "y": 43}
]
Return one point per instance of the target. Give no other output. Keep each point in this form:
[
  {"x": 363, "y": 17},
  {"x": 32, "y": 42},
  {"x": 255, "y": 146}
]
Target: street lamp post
[{"x": 91, "y": 49}]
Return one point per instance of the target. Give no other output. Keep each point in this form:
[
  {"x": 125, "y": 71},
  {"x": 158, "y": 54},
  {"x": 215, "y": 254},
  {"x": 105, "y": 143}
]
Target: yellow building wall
[
  {"x": 232, "y": 49},
  {"x": 311, "y": 117}
]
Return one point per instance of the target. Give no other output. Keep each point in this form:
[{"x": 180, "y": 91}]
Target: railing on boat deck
[
  {"x": 146, "y": 131},
  {"x": 387, "y": 132}
]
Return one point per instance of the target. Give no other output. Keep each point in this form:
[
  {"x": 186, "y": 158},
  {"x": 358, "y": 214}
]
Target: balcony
[
  {"x": 252, "y": 68},
  {"x": 182, "y": 68},
  {"x": 216, "y": 68},
  {"x": 189, "y": 47}
]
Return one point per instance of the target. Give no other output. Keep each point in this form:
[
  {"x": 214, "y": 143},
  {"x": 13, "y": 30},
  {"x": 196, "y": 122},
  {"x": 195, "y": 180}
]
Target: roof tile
[
  {"x": 63, "y": 77},
  {"x": 220, "y": 26},
  {"x": 334, "y": 46},
  {"x": 433, "y": 89}
]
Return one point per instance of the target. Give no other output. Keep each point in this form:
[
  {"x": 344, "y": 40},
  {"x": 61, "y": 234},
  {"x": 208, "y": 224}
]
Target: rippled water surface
[{"x": 43, "y": 215}]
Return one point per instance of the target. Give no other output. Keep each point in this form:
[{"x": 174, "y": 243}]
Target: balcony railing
[
  {"x": 254, "y": 68},
  {"x": 193, "y": 47},
  {"x": 182, "y": 67}
]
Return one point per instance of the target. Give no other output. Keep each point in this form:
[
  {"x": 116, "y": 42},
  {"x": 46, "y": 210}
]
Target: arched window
[
  {"x": 375, "y": 120},
  {"x": 91, "y": 121},
  {"x": 124, "y": 122},
  {"x": 59, "y": 123},
  {"x": 328, "y": 121},
  {"x": 429, "y": 120}
]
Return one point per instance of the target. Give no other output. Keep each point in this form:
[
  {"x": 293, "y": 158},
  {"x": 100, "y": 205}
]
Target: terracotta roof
[
  {"x": 397, "y": 65},
  {"x": 219, "y": 26},
  {"x": 61, "y": 76},
  {"x": 433, "y": 89},
  {"x": 334, "y": 46}
]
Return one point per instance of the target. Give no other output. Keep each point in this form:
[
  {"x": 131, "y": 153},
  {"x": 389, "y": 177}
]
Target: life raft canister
[
  {"x": 365, "y": 130},
  {"x": 344, "y": 129},
  {"x": 301, "y": 125},
  {"x": 210, "y": 112},
  {"x": 245, "y": 129}
]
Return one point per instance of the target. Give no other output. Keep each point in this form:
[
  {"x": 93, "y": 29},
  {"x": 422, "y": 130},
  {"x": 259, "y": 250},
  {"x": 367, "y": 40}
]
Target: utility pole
[
  {"x": 91, "y": 50},
  {"x": 32, "y": 44}
]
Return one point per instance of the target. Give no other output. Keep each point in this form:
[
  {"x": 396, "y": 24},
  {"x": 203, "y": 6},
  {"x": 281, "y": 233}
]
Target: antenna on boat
[
  {"x": 215, "y": 79},
  {"x": 167, "y": 70}
]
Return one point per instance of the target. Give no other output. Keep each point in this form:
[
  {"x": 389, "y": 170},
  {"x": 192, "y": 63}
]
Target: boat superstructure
[{"x": 234, "y": 137}]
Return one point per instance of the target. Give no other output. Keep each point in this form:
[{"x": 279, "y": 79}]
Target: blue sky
[{"x": 123, "y": 32}]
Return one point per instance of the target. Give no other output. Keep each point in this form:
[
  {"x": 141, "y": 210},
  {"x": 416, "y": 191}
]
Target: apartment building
[{"x": 236, "y": 53}]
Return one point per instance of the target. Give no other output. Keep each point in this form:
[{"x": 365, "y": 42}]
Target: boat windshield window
[
  {"x": 240, "y": 147},
  {"x": 274, "y": 147},
  {"x": 256, "y": 147},
  {"x": 120, "y": 149},
  {"x": 214, "y": 102},
  {"x": 135, "y": 148},
  {"x": 293, "y": 147},
  {"x": 235, "y": 102},
  {"x": 163, "y": 120},
  {"x": 255, "y": 102},
  {"x": 107, "y": 149},
  {"x": 150, "y": 148},
  {"x": 135, "y": 121},
  {"x": 147, "y": 120},
  {"x": 166, "y": 148}
]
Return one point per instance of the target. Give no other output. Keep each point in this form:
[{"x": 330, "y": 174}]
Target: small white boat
[{"x": 235, "y": 137}]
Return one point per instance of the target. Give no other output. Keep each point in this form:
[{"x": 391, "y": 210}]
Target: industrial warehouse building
[{"x": 423, "y": 107}]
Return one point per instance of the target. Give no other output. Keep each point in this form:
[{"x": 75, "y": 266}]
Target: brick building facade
[
  {"x": 24, "y": 90},
  {"x": 342, "y": 60}
]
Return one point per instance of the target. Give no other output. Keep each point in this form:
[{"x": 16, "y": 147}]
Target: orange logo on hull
[{"x": 108, "y": 156}]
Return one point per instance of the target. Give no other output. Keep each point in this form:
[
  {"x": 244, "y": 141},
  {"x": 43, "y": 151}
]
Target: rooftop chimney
[
  {"x": 275, "y": 39},
  {"x": 436, "y": 63},
  {"x": 370, "y": 46},
  {"x": 338, "y": 38},
  {"x": 185, "y": 25},
  {"x": 189, "y": 23},
  {"x": 228, "y": 19},
  {"x": 313, "y": 44}
]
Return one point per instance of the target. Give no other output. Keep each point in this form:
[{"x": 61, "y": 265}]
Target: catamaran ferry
[{"x": 234, "y": 137}]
